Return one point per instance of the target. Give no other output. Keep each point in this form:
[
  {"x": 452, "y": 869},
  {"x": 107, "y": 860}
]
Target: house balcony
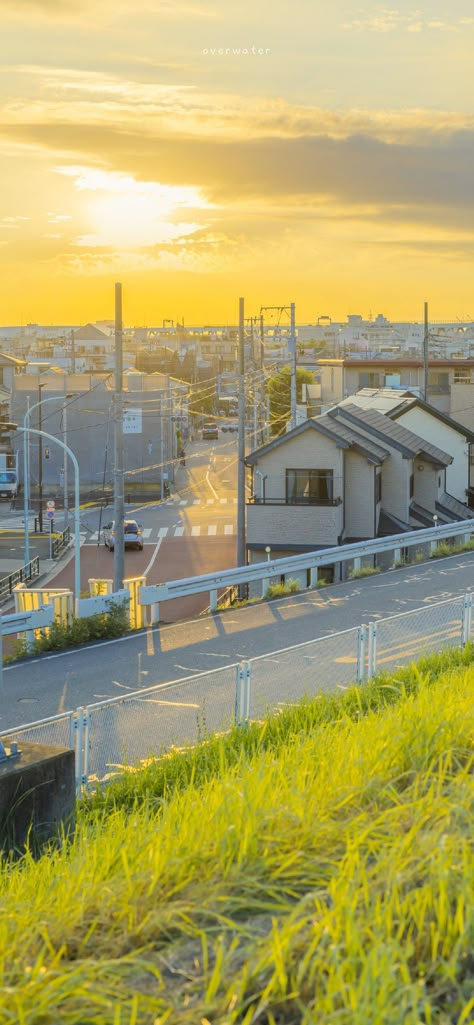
[{"x": 312, "y": 523}]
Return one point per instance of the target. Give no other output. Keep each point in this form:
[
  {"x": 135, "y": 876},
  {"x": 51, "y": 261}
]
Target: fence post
[
  {"x": 372, "y": 651},
  {"x": 466, "y": 619},
  {"x": 213, "y": 600},
  {"x": 242, "y": 694},
  {"x": 361, "y": 652}
]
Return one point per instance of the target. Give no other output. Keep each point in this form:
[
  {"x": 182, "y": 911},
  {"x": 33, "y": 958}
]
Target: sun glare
[{"x": 122, "y": 211}]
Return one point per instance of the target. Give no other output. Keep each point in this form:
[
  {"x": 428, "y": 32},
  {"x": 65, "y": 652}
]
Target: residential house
[
  {"x": 348, "y": 475},
  {"x": 424, "y": 419},
  {"x": 450, "y": 381}
]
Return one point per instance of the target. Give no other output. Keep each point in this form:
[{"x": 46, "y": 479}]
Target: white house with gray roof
[
  {"x": 348, "y": 475},
  {"x": 428, "y": 422}
]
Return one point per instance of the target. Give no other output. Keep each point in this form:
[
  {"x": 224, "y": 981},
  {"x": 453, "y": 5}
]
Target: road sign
[
  {"x": 50, "y": 514},
  {"x": 51, "y": 504},
  {"x": 132, "y": 421}
]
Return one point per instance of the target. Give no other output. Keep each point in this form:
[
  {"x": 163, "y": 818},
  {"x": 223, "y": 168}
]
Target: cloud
[{"x": 390, "y": 19}]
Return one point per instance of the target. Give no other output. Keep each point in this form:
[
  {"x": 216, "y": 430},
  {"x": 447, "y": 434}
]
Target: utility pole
[
  {"x": 119, "y": 505},
  {"x": 65, "y": 480},
  {"x": 241, "y": 553},
  {"x": 40, "y": 459},
  {"x": 425, "y": 355},
  {"x": 292, "y": 366}
]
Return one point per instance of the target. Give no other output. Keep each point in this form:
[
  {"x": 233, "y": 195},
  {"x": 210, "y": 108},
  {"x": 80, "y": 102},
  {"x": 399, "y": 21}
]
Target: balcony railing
[{"x": 256, "y": 500}]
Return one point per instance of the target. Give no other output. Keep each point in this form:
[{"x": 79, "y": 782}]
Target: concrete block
[{"x": 37, "y": 797}]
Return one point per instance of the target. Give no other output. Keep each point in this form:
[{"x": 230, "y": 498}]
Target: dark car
[
  {"x": 132, "y": 535},
  {"x": 209, "y": 431},
  {"x": 230, "y": 428}
]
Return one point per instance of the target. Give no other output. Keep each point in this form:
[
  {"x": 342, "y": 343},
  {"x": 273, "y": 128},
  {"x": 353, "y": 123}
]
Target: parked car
[
  {"x": 210, "y": 431},
  {"x": 132, "y": 535}
]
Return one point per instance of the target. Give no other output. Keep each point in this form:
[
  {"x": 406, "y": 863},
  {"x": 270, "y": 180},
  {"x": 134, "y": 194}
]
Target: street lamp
[
  {"x": 26, "y": 469},
  {"x": 77, "y": 510}
]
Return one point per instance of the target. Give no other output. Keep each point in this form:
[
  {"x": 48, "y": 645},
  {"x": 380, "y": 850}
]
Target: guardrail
[
  {"x": 311, "y": 562},
  {"x": 20, "y": 576}
]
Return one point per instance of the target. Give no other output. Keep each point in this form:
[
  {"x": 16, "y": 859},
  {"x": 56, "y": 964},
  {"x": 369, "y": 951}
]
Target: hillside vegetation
[{"x": 315, "y": 868}]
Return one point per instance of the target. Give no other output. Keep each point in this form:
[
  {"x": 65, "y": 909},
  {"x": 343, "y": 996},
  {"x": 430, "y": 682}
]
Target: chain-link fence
[
  {"x": 124, "y": 732},
  {"x": 284, "y": 677},
  {"x": 127, "y": 731},
  {"x": 402, "y": 639},
  {"x": 59, "y": 730}
]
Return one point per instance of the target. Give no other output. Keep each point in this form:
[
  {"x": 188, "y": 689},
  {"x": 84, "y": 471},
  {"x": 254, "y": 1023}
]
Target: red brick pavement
[{"x": 178, "y": 557}]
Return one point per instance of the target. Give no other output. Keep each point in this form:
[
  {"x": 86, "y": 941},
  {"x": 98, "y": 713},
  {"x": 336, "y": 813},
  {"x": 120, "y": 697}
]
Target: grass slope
[{"x": 317, "y": 869}]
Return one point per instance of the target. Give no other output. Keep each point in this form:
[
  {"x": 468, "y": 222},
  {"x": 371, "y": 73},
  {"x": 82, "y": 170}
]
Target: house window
[
  {"x": 378, "y": 487},
  {"x": 307, "y": 487},
  {"x": 463, "y": 375},
  {"x": 369, "y": 380}
]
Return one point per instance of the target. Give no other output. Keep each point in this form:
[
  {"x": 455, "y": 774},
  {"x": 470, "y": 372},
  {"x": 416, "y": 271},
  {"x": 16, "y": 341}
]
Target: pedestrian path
[{"x": 154, "y": 534}]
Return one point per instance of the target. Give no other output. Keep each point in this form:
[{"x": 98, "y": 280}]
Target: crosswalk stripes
[{"x": 211, "y": 530}]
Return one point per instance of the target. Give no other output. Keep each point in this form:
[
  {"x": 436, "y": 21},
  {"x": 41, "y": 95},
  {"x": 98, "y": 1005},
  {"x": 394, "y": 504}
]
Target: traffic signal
[{"x": 46, "y": 453}]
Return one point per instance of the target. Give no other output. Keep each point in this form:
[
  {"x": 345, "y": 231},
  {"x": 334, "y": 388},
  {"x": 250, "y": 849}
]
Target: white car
[{"x": 132, "y": 535}]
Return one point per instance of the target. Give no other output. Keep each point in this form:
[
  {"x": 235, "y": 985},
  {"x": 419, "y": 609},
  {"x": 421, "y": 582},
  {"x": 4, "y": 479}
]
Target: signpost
[{"x": 50, "y": 513}]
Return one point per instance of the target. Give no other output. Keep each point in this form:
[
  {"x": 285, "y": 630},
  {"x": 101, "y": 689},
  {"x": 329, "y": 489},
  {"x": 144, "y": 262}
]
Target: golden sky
[{"x": 301, "y": 152}]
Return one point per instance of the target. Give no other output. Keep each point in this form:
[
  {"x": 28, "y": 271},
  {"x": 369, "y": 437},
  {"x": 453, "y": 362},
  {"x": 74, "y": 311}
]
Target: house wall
[
  {"x": 332, "y": 384},
  {"x": 311, "y": 451},
  {"x": 426, "y": 490},
  {"x": 298, "y": 524},
  {"x": 359, "y": 496},
  {"x": 427, "y": 426},
  {"x": 462, "y": 404}
]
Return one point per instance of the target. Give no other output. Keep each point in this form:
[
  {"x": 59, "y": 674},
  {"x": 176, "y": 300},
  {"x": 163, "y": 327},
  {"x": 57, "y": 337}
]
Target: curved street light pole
[
  {"x": 77, "y": 511},
  {"x": 26, "y": 471}
]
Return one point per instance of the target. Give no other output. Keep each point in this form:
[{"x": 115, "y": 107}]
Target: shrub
[
  {"x": 58, "y": 636},
  {"x": 281, "y": 590},
  {"x": 364, "y": 571}
]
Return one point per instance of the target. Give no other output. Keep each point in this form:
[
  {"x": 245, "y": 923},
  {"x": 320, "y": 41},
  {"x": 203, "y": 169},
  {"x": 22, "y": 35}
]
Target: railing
[
  {"x": 20, "y": 576},
  {"x": 60, "y": 542},
  {"x": 260, "y": 500},
  {"x": 111, "y": 736}
]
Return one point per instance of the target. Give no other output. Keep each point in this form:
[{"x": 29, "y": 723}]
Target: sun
[{"x": 121, "y": 211}]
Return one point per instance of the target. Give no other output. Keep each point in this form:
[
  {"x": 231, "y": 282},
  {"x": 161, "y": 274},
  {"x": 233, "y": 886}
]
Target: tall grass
[{"x": 319, "y": 871}]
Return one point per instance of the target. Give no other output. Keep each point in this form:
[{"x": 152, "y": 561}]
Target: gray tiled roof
[
  {"x": 391, "y": 431},
  {"x": 343, "y": 434}
]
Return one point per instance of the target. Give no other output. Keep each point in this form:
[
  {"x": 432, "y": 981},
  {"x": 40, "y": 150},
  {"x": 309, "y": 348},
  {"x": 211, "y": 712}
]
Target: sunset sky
[{"x": 198, "y": 151}]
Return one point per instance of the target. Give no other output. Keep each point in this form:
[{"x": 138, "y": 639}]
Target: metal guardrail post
[
  {"x": 361, "y": 652},
  {"x": 213, "y": 600},
  {"x": 466, "y": 620},
  {"x": 372, "y": 651},
  {"x": 242, "y": 694}
]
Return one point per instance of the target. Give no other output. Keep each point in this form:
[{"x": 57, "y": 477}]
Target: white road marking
[
  {"x": 229, "y": 528},
  {"x": 212, "y": 530},
  {"x": 178, "y": 531},
  {"x": 195, "y": 531}
]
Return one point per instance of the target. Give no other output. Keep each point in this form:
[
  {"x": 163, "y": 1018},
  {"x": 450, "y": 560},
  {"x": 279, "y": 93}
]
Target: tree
[{"x": 279, "y": 393}]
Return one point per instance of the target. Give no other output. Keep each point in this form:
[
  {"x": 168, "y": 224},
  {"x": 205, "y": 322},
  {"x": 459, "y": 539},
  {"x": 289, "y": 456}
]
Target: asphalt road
[{"x": 42, "y": 687}]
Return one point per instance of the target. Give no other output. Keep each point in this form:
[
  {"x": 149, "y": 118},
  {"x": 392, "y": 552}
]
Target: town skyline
[{"x": 198, "y": 153}]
